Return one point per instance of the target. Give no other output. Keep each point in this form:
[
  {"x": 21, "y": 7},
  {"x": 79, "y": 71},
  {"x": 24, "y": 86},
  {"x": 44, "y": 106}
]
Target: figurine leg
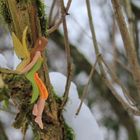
[
  {"x": 38, "y": 108},
  {"x": 35, "y": 110},
  {"x": 38, "y": 120}
]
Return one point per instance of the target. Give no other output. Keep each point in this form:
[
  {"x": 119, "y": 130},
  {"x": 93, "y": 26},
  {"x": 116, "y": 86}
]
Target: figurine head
[{"x": 40, "y": 45}]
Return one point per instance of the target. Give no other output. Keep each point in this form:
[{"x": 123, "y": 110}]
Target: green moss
[
  {"x": 42, "y": 16},
  {"x": 36, "y": 134},
  {"x": 4, "y": 11},
  {"x": 4, "y": 94},
  {"x": 5, "y": 104},
  {"x": 57, "y": 98},
  {"x": 69, "y": 133}
]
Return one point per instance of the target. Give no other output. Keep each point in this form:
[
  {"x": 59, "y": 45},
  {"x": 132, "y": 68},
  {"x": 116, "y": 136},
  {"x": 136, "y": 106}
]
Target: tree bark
[{"x": 19, "y": 15}]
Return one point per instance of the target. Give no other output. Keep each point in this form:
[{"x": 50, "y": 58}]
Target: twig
[
  {"x": 55, "y": 27},
  {"x": 51, "y": 12},
  {"x": 83, "y": 31},
  {"x": 125, "y": 105},
  {"x": 68, "y": 5},
  {"x": 69, "y": 61},
  {"x": 115, "y": 54},
  {"x": 84, "y": 94},
  {"x": 117, "y": 60},
  {"x": 130, "y": 17},
  {"x": 94, "y": 40},
  {"x": 119, "y": 98},
  {"x": 115, "y": 78},
  {"x": 123, "y": 66},
  {"x": 129, "y": 46},
  {"x": 137, "y": 38},
  {"x": 92, "y": 27}
]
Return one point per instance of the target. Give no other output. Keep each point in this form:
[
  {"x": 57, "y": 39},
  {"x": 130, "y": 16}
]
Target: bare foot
[{"x": 38, "y": 120}]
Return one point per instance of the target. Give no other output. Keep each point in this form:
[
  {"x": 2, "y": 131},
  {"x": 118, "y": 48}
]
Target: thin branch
[
  {"x": 115, "y": 54},
  {"x": 123, "y": 66},
  {"x": 92, "y": 27},
  {"x": 119, "y": 98},
  {"x": 94, "y": 40},
  {"x": 137, "y": 39},
  {"x": 129, "y": 46},
  {"x": 84, "y": 94},
  {"x": 125, "y": 105},
  {"x": 117, "y": 60},
  {"x": 69, "y": 61},
  {"x": 51, "y": 12},
  {"x": 55, "y": 27},
  {"x": 83, "y": 30},
  {"x": 115, "y": 79},
  {"x": 54, "y": 18},
  {"x": 130, "y": 16},
  {"x": 68, "y": 5}
]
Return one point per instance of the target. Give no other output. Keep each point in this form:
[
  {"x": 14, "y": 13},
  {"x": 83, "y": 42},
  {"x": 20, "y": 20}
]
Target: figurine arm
[{"x": 32, "y": 63}]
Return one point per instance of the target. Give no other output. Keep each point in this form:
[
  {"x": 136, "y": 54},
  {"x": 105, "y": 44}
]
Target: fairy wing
[
  {"x": 21, "y": 48},
  {"x": 26, "y": 52},
  {"x": 17, "y": 46}
]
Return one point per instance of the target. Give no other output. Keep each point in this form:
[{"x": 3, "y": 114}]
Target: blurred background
[{"x": 115, "y": 123}]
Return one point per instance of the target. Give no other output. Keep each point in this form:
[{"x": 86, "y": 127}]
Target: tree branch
[
  {"x": 55, "y": 27},
  {"x": 129, "y": 46},
  {"x": 68, "y": 53}
]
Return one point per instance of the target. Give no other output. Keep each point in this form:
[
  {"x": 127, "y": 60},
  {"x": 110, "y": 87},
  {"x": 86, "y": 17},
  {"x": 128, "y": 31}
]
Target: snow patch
[
  {"x": 84, "y": 125},
  {"x": 3, "y": 61}
]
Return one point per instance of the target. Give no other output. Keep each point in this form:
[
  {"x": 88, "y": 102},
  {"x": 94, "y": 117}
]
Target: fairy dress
[{"x": 30, "y": 76}]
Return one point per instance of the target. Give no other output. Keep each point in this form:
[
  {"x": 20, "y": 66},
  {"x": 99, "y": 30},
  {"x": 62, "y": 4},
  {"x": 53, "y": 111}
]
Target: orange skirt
[{"x": 42, "y": 88}]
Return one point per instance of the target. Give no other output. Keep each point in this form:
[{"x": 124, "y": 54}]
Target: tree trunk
[{"x": 18, "y": 15}]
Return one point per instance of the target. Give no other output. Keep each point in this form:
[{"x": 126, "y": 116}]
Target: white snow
[
  {"x": 16, "y": 61},
  {"x": 84, "y": 125},
  {"x": 3, "y": 61}
]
